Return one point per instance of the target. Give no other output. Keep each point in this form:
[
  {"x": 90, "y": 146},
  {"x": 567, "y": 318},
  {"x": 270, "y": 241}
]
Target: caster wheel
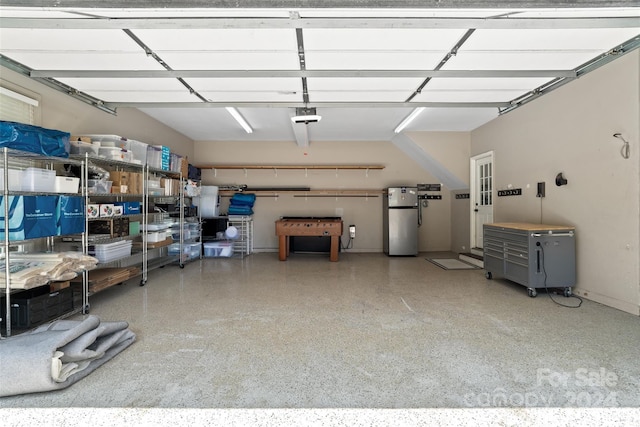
[
  {"x": 532, "y": 292},
  {"x": 567, "y": 292},
  {"x": 181, "y": 265},
  {"x": 86, "y": 309},
  {"x": 143, "y": 282},
  {"x": 488, "y": 275}
]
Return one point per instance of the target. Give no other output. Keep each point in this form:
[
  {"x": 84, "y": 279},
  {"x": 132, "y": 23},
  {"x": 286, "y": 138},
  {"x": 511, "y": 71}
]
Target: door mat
[{"x": 451, "y": 264}]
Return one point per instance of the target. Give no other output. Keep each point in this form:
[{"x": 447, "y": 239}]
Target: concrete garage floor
[{"x": 366, "y": 332}]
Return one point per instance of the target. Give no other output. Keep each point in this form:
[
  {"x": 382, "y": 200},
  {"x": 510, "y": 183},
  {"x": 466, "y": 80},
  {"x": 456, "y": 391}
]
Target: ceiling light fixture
[
  {"x": 241, "y": 120},
  {"x": 403, "y": 124},
  {"x": 306, "y": 115}
]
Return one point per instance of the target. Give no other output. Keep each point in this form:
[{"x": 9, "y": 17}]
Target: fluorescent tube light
[
  {"x": 241, "y": 120},
  {"x": 415, "y": 113}
]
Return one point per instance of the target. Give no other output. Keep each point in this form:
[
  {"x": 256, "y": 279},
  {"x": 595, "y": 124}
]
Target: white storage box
[
  {"x": 39, "y": 180},
  {"x": 15, "y": 179},
  {"x": 156, "y": 236},
  {"x": 217, "y": 249},
  {"x": 67, "y": 184}
]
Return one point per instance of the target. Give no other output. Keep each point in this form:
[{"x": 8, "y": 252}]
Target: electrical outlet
[
  {"x": 352, "y": 231},
  {"x": 540, "y": 189}
]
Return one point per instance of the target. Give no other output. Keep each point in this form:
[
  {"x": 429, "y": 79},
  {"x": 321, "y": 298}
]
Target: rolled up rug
[{"x": 58, "y": 354}]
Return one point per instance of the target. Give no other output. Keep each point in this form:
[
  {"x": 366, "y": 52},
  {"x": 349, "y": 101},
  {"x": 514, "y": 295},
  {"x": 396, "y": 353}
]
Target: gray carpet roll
[{"x": 58, "y": 354}]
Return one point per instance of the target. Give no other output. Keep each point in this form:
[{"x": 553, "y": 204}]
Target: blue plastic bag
[{"x": 34, "y": 139}]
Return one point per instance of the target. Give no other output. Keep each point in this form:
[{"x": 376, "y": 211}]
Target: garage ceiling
[{"x": 364, "y": 66}]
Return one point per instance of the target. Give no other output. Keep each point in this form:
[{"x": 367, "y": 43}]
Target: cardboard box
[
  {"x": 106, "y": 210},
  {"x": 30, "y": 217},
  {"x": 56, "y": 286},
  {"x": 70, "y": 215},
  {"x": 135, "y": 183},
  {"x": 114, "y": 227},
  {"x": 184, "y": 168},
  {"x": 129, "y": 208},
  {"x": 171, "y": 187},
  {"x": 120, "y": 179},
  {"x": 93, "y": 211}
]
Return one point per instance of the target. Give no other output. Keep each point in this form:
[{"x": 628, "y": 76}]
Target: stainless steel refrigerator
[{"x": 400, "y": 221}]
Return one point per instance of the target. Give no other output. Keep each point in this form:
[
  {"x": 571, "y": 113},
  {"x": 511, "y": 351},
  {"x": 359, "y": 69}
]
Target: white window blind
[{"x": 15, "y": 107}]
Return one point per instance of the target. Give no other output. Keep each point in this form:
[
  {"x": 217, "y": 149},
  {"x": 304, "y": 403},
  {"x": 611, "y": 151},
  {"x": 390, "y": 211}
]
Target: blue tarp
[{"x": 34, "y": 139}]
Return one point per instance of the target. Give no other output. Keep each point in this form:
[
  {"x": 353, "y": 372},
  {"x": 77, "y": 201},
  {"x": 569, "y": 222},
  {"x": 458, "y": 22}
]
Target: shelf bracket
[
  {"x": 336, "y": 172},
  {"x": 306, "y": 173},
  {"x": 245, "y": 172},
  {"x": 366, "y": 173},
  {"x": 215, "y": 172},
  {"x": 275, "y": 172}
]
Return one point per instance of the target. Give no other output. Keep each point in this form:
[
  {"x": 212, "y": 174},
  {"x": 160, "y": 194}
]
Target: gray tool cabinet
[{"x": 533, "y": 255}]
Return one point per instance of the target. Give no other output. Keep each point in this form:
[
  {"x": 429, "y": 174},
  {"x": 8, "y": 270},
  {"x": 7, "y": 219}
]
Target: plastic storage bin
[
  {"x": 139, "y": 151},
  {"x": 67, "y": 184},
  {"x": 156, "y": 236},
  {"x": 80, "y": 147},
  {"x": 108, "y": 252},
  {"x": 97, "y": 186},
  {"x": 36, "y": 306},
  {"x": 109, "y": 140},
  {"x": 217, "y": 249},
  {"x": 115, "y": 153},
  {"x": 15, "y": 179},
  {"x": 39, "y": 180}
]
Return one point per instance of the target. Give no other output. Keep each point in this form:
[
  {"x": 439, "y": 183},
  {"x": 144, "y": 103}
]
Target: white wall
[
  {"x": 570, "y": 130},
  {"x": 62, "y": 112},
  {"x": 366, "y": 213}
]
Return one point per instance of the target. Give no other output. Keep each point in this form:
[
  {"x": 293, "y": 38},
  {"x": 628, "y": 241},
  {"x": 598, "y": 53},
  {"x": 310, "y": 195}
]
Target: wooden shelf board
[
  {"x": 313, "y": 193},
  {"x": 276, "y": 167}
]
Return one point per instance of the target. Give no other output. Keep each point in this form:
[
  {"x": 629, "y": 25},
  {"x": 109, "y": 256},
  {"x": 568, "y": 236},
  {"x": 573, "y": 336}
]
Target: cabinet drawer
[
  {"x": 509, "y": 235},
  {"x": 517, "y": 251}
]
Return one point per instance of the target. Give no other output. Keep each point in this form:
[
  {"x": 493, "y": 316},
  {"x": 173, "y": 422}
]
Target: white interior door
[{"x": 481, "y": 196}]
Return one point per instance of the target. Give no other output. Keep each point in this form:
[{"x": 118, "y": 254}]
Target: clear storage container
[
  {"x": 80, "y": 147},
  {"x": 97, "y": 186},
  {"x": 217, "y": 249},
  {"x": 109, "y": 140},
  {"x": 39, "y": 180},
  {"x": 15, "y": 179},
  {"x": 139, "y": 150},
  {"x": 107, "y": 252}
]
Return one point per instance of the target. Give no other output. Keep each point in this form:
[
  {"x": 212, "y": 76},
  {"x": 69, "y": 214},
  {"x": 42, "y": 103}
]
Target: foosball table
[{"x": 288, "y": 227}]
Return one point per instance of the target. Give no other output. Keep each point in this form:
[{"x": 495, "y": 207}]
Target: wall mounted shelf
[
  {"x": 315, "y": 167},
  {"x": 311, "y": 193}
]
